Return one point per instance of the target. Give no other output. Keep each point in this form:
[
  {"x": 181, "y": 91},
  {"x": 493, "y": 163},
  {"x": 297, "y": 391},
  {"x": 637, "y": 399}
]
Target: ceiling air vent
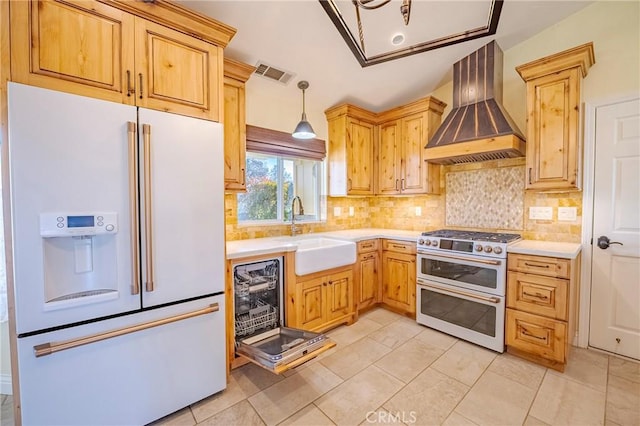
[{"x": 273, "y": 73}]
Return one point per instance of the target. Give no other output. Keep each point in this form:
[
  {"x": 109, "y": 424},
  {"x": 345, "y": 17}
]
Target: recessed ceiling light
[{"x": 397, "y": 39}]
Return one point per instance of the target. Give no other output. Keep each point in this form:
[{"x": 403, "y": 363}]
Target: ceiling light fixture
[
  {"x": 405, "y": 10},
  {"x": 303, "y": 129}
]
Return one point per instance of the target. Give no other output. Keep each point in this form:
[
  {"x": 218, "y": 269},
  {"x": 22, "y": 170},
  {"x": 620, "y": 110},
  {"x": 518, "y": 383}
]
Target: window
[{"x": 273, "y": 180}]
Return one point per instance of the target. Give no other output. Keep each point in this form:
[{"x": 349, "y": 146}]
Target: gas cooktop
[{"x": 493, "y": 237}]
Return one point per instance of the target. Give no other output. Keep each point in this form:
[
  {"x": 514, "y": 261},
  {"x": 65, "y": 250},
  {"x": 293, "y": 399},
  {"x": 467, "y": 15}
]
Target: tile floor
[{"x": 387, "y": 369}]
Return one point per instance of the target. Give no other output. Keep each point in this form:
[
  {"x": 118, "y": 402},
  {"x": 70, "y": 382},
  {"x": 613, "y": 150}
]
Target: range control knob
[
  {"x": 487, "y": 249},
  {"x": 497, "y": 250},
  {"x": 478, "y": 247},
  {"x": 434, "y": 243},
  {"x": 421, "y": 242}
]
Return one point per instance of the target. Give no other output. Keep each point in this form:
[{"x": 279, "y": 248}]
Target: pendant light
[{"x": 303, "y": 129}]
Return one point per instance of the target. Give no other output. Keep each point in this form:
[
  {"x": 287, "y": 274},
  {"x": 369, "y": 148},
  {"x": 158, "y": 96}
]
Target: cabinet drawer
[
  {"x": 538, "y": 295},
  {"x": 368, "y": 245},
  {"x": 536, "y": 335},
  {"x": 399, "y": 246},
  {"x": 548, "y": 266}
]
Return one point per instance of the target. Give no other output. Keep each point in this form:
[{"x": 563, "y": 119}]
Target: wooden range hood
[{"x": 478, "y": 128}]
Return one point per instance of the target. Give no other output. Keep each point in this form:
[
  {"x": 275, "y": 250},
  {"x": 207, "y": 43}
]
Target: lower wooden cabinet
[
  {"x": 323, "y": 301},
  {"x": 541, "y": 307},
  {"x": 367, "y": 275},
  {"x": 399, "y": 276}
]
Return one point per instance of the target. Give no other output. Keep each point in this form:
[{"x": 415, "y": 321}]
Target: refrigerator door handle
[
  {"x": 146, "y": 136},
  {"x": 133, "y": 207},
  {"x": 52, "y": 347}
]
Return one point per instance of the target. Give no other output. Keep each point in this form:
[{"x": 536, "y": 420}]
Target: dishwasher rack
[{"x": 263, "y": 316}]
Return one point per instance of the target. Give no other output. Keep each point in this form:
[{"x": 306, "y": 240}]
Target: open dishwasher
[{"x": 260, "y": 332}]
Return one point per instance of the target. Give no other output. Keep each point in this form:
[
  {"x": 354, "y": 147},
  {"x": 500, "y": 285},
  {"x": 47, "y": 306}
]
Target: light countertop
[
  {"x": 259, "y": 246},
  {"x": 546, "y": 248}
]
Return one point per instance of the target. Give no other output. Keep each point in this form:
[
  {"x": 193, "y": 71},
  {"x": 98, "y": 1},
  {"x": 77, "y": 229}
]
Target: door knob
[{"x": 604, "y": 242}]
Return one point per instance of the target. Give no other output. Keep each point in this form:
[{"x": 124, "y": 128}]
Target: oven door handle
[
  {"x": 447, "y": 256},
  {"x": 495, "y": 300}
]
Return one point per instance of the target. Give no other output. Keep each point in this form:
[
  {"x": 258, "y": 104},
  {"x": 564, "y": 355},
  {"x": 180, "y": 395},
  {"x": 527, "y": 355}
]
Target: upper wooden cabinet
[
  {"x": 112, "y": 50},
  {"x": 404, "y": 132},
  {"x": 352, "y": 136},
  {"x": 235, "y": 135},
  {"x": 383, "y": 153},
  {"x": 554, "y": 148}
]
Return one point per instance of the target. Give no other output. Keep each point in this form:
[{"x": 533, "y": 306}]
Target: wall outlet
[
  {"x": 337, "y": 211},
  {"x": 352, "y": 211},
  {"x": 569, "y": 214},
  {"x": 541, "y": 213},
  {"x": 418, "y": 211}
]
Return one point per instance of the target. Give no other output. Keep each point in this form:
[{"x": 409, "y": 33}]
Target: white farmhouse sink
[{"x": 320, "y": 253}]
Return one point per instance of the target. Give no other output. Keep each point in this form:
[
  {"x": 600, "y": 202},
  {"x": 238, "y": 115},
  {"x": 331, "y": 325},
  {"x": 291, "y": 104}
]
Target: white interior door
[{"x": 615, "y": 268}]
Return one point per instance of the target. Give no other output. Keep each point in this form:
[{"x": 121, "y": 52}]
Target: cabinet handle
[
  {"x": 530, "y": 175},
  {"x": 368, "y": 257},
  {"x": 140, "y": 75},
  {"x": 527, "y": 333},
  {"x": 349, "y": 184},
  {"x": 367, "y": 245},
  {"x": 324, "y": 284},
  {"x": 330, "y": 282},
  {"x": 536, "y": 266},
  {"x": 401, "y": 184},
  {"x": 129, "y": 89},
  {"x": 244, "y": 176},
  {"x": 537, "y": 295},
  {"x": 396, "y": 187},
  {"x": 398, "y": 246}
]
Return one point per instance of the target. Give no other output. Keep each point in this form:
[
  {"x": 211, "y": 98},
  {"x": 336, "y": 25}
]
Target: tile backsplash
[
  {"x": 465, "y": 202},
  {"x": 486, "y": 198}
]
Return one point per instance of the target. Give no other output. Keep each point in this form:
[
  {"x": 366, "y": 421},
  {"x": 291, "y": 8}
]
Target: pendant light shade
[{"x": 303, "y": 129}]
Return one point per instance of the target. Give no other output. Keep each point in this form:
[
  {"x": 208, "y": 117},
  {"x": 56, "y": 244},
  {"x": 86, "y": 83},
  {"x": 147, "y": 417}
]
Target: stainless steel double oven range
[{"x": 461, "y": 284}]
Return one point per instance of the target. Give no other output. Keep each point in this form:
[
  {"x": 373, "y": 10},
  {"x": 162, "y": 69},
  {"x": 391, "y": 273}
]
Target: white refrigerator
[{"x": 118, "y": 258}]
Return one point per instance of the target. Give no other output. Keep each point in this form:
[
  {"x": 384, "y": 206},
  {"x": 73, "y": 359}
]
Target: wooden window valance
[{"x": 267, "y": 141}]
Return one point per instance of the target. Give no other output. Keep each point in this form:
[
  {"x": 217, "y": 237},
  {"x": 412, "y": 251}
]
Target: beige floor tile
[
  {"x": 435, "y": 338},
  {"x": 179, "y": 418},
  {"x": 495, "y": 399},
  {"x": 431, "y": 396},
  {"x": 517, "y": 369},
  {"x": 381, "y": 316},
  {"x": 350, "y": 402},
  {"x": 586, "y": 367},
  {"x": 464, "y": 362},
  {"x": 456, "y": 419},
  {"x": 346, "y": 335},
  {"x": 408, "y": 360},
  {"x": 308, "y": 416},
  {"x": 6, "y": 415},
  {"x": 288, "y": 396},
  {"x": 562, "y": 401},
  {"x": 350, "y": 360},
  {"x": 396, "y": 333},
  {"x": 252, "y": 379},
  {"x": 240, "y": 414},
  {"x": 627, "y": 369},
  {"x": 623, "y": 401},
  {"x": 532, "y": 421}
]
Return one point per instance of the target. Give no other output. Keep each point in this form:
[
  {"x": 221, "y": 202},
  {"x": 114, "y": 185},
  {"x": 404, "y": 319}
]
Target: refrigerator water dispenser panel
[{"x": 80, "y": 258}]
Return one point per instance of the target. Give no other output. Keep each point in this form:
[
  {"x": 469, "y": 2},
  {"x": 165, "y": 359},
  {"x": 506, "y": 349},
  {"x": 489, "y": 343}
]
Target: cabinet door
[
  {"x": 176, "y": 72},
  {"x": 389, "y": 159},
  {"x": 399, "y": 281},
  {"x": 552, "y": 129},
  {"x": 360, "y": 147},
  {"x": 234, "y": 135},
  {"x": 368, "y": 281},
  {"x": 310, "y": 301},
  {"x": 339, "y": 300},
  {"x": 414, "y": 169},
  {"x": 84, "y": 48}
]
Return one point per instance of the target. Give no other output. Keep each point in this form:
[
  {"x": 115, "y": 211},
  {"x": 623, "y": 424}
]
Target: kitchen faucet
[{"x": 294, "y": 228}]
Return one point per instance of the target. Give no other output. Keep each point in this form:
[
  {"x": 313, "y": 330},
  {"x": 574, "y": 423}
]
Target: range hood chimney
[{"x": 478, "y": 128}]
